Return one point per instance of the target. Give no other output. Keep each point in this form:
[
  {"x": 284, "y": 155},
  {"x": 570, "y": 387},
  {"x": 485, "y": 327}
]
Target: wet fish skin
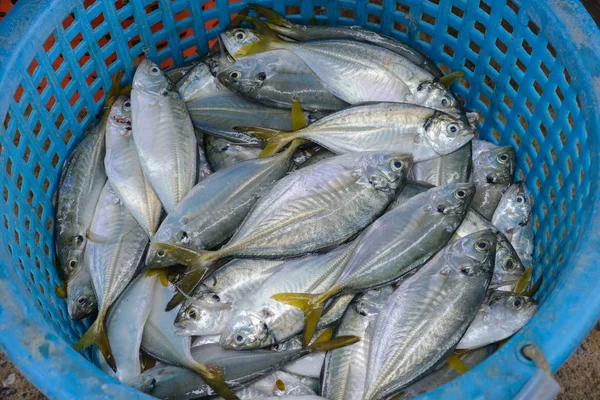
[
  {"x": 500, "y": 316},
  {"x": 203, "y": 314},
  {"x": 163, "y": 135},
  {"x": 449, "y": 168},
  {"x": 81, "y": 299},
  {"x": 345, "y": 370},
  {"x": 428, "y": 314},
  {"x": 199, "y": 82},
  {"x": 275, "y": 78},
  {"x": 177, "y": 73},
  {"x": 270, "y": 386},
  {"x": 222, "y": 153},
  {"x": 124, "y": 170},
  {"x": 81, "y": 182}
]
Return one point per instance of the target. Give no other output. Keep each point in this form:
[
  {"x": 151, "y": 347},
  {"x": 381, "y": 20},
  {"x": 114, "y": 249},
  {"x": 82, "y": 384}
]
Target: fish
[
  {"x": 323, "y": 205},
  {"x": 399, "y": 241},
  {"x": 513, "y": 217},
  {"x": 275, "y": 78},
  {"x": 175, "y": 74},
  {"x": 208, "y": 307},
  {"x": 450, "y": 168},
  {"x": 370, "y": 73},
  {"x": 320, "y": 155},
  {"x": 161, "y": 342},
  {"x": 203, "y": 167},
  {"x": 81, "y": 299},
  {"x": 345, "y": 370},
  {"x": 124, "y": 170},
  {"x": 405, "y": 128},
  {"x": 508, "y": 267},
  {"x": 493, "y": 172},
  {"x": 305, "y": 33},
  {"x": 427, "y": 315},
  {"x": 259, "y": 321},
  {"x": 444, "y": 374},
  {"x": 222, "y": 153},
  {"x": 500, "y": 316},
  {"x": 240, "y": 368},
  {"x": 125, "y": 324},
  {"x": 279, "y": 383},
  {"x": 116, "y": 243},
  {"x": 163, "y": 135}
]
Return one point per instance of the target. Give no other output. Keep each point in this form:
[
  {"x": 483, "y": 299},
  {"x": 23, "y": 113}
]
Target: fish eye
[
  {"x": 81, "y": 300},
  {"x": 421, "y": 87},
  {"x": 240, "y": 35},
  {"x": 397, "y": 164},
  {"x": 482, "y": 245},
  {"x": 184, "y": 235},
  {"x": 127, "y": 105},
  {"x": 160, "y": 253},
  {"x": 261, "y": 76},
  {"x": 164, "y": 92},
  {"x": 216, "y": 297},
  {"x": 460, "y": 194},
  {"x": 192, "y": 313},
  {"x": 467, "y": 271},
  {"x": 235, "y": 75},
  {"x": 520, "y": 199},
  {"x": 239, "y": 338},
  {"x": 73, "y": 263},
  {"x": 502, "y": 158},
  {"x": 128, "y": 127},
  {"x": 452, "y": 128},
  {"x": 276, "y": 346},
  {"x": 509, "y": 264},
  {"x": 445, "y": 102},
  {"x": 517, "y": 303},
  {"x": 154, "y": 70}
]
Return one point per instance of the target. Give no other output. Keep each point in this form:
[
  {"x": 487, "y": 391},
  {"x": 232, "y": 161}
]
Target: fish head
[
  {"x": 370, "y": 303},
  {"x": 197, "y": 78},
  {"x": 150, "y": 78},
  {"x": 510, "y": 311},
  {"x": 508, "y": 267},
  {"x": 446, "y": 133},
  {"x": 169, "y": 232},
  {"x": 495, "y": 166},
  {"x": 246, "y": 330},
  {"x": 451, "y": 199},
  {"x": 514, "y": 208},
  {"x": 294, "y": 343},
  {"x": 237, "y": 38},
  {"x": 200, "y": 315},
  {"x": 81, "y": 302},
  {"x": 473, "y": 254},
  {"x": 70, "y": 249},
  {"x": 245, "y": 76},
  {"x": 434, "y": 94},
  {"x": 385, "y": 171},
  {"x": 120, "y": 112}
]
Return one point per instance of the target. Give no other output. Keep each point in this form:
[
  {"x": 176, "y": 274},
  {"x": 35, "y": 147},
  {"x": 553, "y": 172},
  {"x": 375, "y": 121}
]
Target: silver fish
[
  {"x": 114, "y": 250},
  {"x": 81, "y": 182},
  {"x": 275, "y": 79},
  {"x": 208, "y": 308},
  {"x": 405, "y": 128},
  {"x": 222, "y": 153},
  {"x": 259, "y": 321},
  {"x": 419, "y": 325},
  {"x": 202, "y": 340},
  {"x": 345, "y": 370},
  {"x": 81, "y": 299},
  {"x": 308, "y": 366},
  {"x": 500, "y": 316},
  {"x": 279, "y": 383},
  {"x": 513, "y": 217},
  {"x": 124, "y": 170},
  {"x": 399, "y": 241},
  {"x": 163, "y": 135},
  {"x": 125, "y": 324},
  {"x": 175, "y": 74},
  {"x": 370, "y": 72},
  {"x": 451, "y": 168},
  {"x": 199, "y": 82},
  {"x": 203, "y": 166},
  {"x": 321, "y": 154}
]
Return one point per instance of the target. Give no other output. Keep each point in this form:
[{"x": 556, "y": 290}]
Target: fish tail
[
  {"x": 161, "y": 273},
  {"x": 310, "y": 304},
  {"x": 191, "y": 278},
  {"x": 276, "y": 139},
  {"x": 268, "y": 40},
  {"x": 452, "y": 77},
  {"x": 298, "y": 120},
  {"x": 326, "y": 345},
  {"x": 61, "y": 291},
  {"x": 113, "y": 92},
  {"x": 214, "y": 377},
  {"x": 523, "y": 283},
  {"x": 456, "y": 363},
  {"x": 187, "y": 256},
  {"x": 97, "y": 335},
  {"x": 236, "y": 22},
  {"x": 271, "y": 16}
]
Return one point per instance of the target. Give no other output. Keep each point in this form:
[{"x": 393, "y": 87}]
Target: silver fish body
[
  {"x": 345, "y": 370},
  {"x": 450, "y": 168},
  {"x": 177, "y": 73},
  {"x": 163, "y": 135},
  {"x": 428, "y": 314},
  {"x": 278, "y": 383},
  {"x": 203, "y": 167},
  {"x": 203, "y": 312},
  {"x": 222, "y": 153},
  {"x": 309, "y": 366},
  {"x": 81, "y": 182},
  {"x": 199, "y": 82},
  {"x": 276, "y": 78},
  {"x": 81, "y": 299},
  {"x": 259, "y": 321},
  {"x": 500, "y": 316},
  {"x": 124, "y": 170},
  {"x": 321, "y": 206},
  {"x": 321, "y": 154}
]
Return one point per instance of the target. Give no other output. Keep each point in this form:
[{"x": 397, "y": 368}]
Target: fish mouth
[{"x": 121, "y": 119}]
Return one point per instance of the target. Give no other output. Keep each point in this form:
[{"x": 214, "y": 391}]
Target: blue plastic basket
[{"x": 528, "y": 66}]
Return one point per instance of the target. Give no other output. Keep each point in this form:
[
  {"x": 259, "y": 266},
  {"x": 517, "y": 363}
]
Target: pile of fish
[{"x": 304, "y": 212}]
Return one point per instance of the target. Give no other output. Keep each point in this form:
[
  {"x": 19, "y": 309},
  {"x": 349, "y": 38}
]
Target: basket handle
[{"x": 542, "y": 385}]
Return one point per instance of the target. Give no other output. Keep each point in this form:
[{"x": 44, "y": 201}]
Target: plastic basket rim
[{"x": 66, "y": 374}]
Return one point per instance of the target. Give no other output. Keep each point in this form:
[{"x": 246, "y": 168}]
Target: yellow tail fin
[
  {"x": 97, "y": 335},
  {"x": 271, "y": 16},
  {"x": 236, "y": 22},
  {"x": 455, "y": 362},
  {"x": 162, "y": 273},
  {"x": 523, "y": 283},
  {"x": 276, "y": 140},
  {"x": 184, "y": 255},
  {"x": 341, "y": 341},
  {"x": 213, "y": 376},
  {"x": 113, "y": 92},
  {"x": 325, "y": 336},
  {"x": 61, "y": 291},
  {"x": 449, "y": 79},
  {"x": 298, "y": 120}
]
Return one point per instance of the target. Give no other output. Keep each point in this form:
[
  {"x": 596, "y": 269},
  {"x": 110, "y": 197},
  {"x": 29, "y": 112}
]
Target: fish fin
[
  {"x": 162, "y": 273},
  {"x": 61, "y": 291},
  {"x": 298, "y": 120},
  {"x": 97, "y": 238},
  {"x": 268, "y": 40},
  {"x": 280, "y": 385},
  {"x": 190, "y": 279},
  {"x": 456, "y": 363},
  {"x": 452, "y": 77},
  {"x": 97, "y": 335},
  {"x": 312, "y": 306},
  {"x": 325, "y": 336},
  {"x": 113, "y": 92},
  {"x": 534, "y": 288},
  {"x": 523, "y": 282},
  {"x": 184, "y": 255},
  {"x": 214, "y": 377},
  {"x": 259, "y": 133},
  {"x": 341, "y": 341},
  {"x": 313, "y": 21},
  {"x": 271, "y": 16},
  {"x": 126, "y": 90},
  {"x": 275, "y": 139},
  {"x": 236, "y": 22}
]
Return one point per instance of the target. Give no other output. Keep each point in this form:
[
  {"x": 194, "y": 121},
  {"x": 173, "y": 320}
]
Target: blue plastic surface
[{"x": 528, "y": 67}]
